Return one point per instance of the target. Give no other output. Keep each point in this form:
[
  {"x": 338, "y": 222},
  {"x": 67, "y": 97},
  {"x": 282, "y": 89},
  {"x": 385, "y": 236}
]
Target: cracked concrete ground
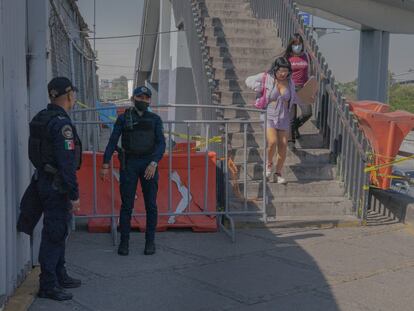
[{"x": 363, "y": 268}]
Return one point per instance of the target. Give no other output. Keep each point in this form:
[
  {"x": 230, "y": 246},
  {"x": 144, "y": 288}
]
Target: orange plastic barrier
[
  {"x": 369, "y": 105},
  {"x": 182, "y": 147},
  {"x": 200, "y": 223},
  {"x": 385, "y": 131}
]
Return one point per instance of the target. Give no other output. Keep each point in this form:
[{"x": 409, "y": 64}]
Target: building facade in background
[{"x": 113, "y": 90}]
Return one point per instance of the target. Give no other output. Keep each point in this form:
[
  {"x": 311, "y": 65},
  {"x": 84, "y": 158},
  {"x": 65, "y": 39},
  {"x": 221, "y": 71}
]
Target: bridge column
[
  {"x": 373, "y": 65},
  {"x": 164, "y": 57}
]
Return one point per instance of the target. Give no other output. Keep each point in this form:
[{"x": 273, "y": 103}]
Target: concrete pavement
[{"x": 363, "y": 268}]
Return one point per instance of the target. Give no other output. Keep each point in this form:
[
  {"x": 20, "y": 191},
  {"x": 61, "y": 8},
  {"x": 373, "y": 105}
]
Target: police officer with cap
[
  {"x": 55, "y": 150},
  {"x": 143, "y": 145}
]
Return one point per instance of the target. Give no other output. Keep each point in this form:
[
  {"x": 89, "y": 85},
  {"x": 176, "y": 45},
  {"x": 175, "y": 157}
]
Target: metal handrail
[
  {"x": 175, "y": 106},
  {"x": 226, "y": 212}
]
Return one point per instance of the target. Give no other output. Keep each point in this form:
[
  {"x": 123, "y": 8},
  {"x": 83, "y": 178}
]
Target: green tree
[
  {"x": 401, "y": 97},
  {"x": 349, "y": 89}
]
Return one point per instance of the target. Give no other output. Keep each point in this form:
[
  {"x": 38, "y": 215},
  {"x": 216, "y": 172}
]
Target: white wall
[{"x": 15, "y": 255}]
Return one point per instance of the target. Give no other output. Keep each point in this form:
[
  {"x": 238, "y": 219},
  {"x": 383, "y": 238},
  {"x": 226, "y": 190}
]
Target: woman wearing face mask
[
  {"x": 281, "y": 98},
  {"x": 299, "y": 59}
]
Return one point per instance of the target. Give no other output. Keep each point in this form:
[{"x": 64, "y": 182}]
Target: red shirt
[{"x": 300, "y": 66}]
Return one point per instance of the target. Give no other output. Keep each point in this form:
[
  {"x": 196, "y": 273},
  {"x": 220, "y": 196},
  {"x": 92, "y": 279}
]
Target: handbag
[{"x": 261, "y": 102}]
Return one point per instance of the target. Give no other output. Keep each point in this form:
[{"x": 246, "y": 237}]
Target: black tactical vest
[
  {"x": 138, "y": 134},
  {"x": 41, "y": 150}
]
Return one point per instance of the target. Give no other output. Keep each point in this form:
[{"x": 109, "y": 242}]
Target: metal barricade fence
[{"x": 224, "y": 210}]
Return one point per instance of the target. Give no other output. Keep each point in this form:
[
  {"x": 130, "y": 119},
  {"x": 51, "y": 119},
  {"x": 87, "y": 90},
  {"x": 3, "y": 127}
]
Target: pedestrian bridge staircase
[{"x": 240, "y": 38}]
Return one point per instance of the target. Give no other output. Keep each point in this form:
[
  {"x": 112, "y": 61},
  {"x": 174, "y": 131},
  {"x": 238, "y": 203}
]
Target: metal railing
[
  {"x": 222, "y": 208},
  {"x": 346, "y": 142},
  {"x": 188, "y": 15}
]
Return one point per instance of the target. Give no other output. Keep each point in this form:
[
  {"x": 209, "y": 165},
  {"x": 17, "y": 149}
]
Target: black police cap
[{"x": 60, "y": 86}]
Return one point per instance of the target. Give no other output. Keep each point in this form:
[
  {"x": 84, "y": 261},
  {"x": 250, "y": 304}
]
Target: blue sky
[{"x": 117, "y": 57}]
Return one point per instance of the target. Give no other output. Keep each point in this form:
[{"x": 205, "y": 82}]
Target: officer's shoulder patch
[
  {"x": 69, "y": 144},
  {"x": 67, "y": 131}
]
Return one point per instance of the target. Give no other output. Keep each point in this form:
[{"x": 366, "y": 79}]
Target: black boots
[
  {"x": 69, "y": 282},
  {"x": 149, "y": 248},
  {"x": 123, "y": 248},
  {"x": 56, "y": 293}
]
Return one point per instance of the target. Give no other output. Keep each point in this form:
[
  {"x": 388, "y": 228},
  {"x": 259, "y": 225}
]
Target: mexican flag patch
[{"x": 69, "y": 144}]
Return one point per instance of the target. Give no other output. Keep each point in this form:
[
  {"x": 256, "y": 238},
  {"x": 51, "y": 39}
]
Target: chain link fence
[{"x": 73, "y": 57}]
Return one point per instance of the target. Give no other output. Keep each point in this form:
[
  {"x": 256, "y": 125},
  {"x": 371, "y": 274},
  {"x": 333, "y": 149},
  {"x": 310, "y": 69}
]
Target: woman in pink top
[{"x": 299, "y": 59}]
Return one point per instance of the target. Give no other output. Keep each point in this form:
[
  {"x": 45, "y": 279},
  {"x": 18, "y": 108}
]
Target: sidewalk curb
[
  {"x": 25, "y": 293},
  {"x": 300, "y": 224}
]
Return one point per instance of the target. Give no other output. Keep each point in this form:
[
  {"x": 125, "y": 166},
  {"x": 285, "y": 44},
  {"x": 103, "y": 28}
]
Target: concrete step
[
  {"x": 239, "y": 22},
  {"x": 217, "y": 31},
  {"x": 309, "y": 206},
  {"x": 255, "y": 155},
  {"x": 326, "y": 188},
  {"x": 307, "y": 141},
  {"x": 292, "y": 173},
  {"x": 308, "y": 128},
  {"x": 310, "y": 141},
  {"x": 243, "y": 42},
  {"x": 232, "y": 51},
  {"x": 298, "y": 206},
  {"x": 232, "y": 85},
  {"x": 224, "y": 1},
  {"x": 237, "y": 12},
  {"x": 226, "y": 5},
  {"x": 240, "y": 114},
  {"x": 251, "y": 128},
  {"x": 318, "y": 221},
  {"x": 237, "y": 74},
  {"x": 237, "y": 98},
  {"x": 241, "y": 62}
]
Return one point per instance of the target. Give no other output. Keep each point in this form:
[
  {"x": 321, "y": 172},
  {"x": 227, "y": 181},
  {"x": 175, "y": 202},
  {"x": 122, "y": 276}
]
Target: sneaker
[
  {"x": 280, "y": 180},
  {"x": 269, "y": 169}
]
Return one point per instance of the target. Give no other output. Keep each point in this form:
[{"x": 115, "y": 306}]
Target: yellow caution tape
[
  {"x": 214, "y": 139},
  {"x": 376, "y": 167},
  {"x": 100, "y": 112},
  {"x": 203, "y": 140}
]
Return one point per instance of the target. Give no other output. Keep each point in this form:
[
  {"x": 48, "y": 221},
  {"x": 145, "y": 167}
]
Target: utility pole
[{"x": 94, "y": 27}]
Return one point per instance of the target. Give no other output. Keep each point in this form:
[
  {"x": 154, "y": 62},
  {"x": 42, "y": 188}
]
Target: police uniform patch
[
  {"x": 67, "y": 131},
  {"x": 69, "y": 144},
  {"x": 53, "y": 93}
]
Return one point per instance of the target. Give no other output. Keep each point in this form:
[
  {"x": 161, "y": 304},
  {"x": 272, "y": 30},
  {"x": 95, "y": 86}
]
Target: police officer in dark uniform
[
  {"x": 55, "y": 151},
  {"x": 143, "y": 145}
]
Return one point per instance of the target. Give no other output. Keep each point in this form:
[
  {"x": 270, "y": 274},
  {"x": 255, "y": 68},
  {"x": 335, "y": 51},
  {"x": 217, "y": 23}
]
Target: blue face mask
[{"x": 297, "y": 48}]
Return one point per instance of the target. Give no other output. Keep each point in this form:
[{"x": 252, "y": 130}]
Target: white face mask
[{"x": 297, "y": 48}]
